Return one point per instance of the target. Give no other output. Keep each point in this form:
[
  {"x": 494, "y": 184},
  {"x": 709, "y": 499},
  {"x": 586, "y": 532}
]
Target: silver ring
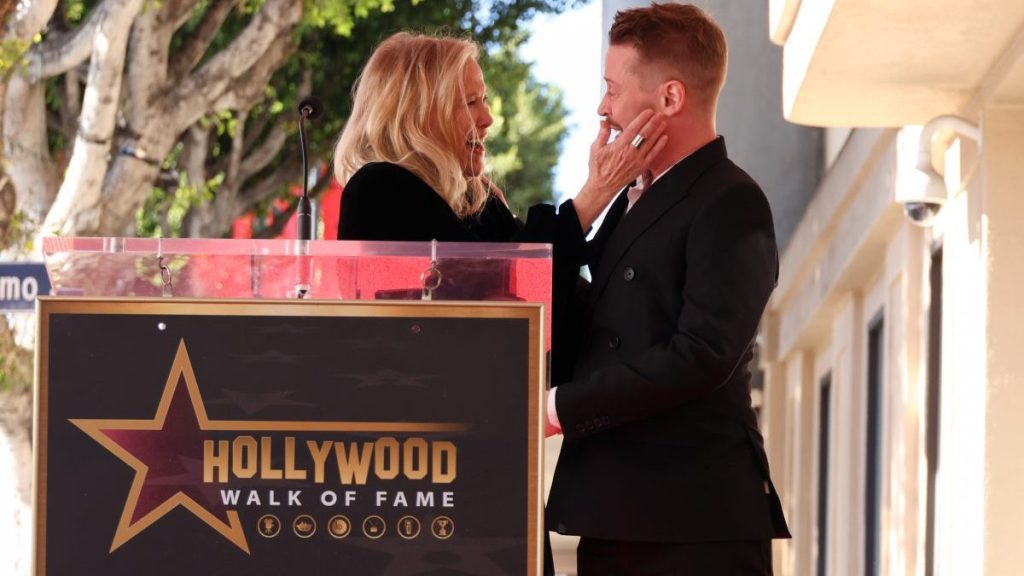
[{"x": 638, "y": 141}]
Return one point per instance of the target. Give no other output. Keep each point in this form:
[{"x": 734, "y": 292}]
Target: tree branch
[
  {"x": 148, "y": 52},
  {"x": 237, "y": 147},
  {"x": 59, "y": 53},
  {"x": 265, "y": 153},
  {"x": 30, "y": 18},
  {"x": 26, "y": 154},
  {"x": 193, "y": 157},
  {"x": 213, "y": 86},
  {"x": 193, "y": 160},
  {"x": 199, "y": 41},
  {"x": 79, "y": 194},
  {"x": 281, "y": 220},
  {"x": 71, "y": 104},
  {"x": 245, "y": 92},
  {"x": 281, "y": 177},
  {"x": 6, "y": 7},
  {"x": 179, "y": 11},
  {"x": 254, "y": 132}
]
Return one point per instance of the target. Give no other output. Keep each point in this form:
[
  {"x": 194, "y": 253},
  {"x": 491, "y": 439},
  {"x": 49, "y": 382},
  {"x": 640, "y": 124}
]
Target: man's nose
[{"x": 602, "y": 108}]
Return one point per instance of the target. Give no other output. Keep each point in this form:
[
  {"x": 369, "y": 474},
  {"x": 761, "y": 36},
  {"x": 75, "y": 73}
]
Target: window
[
  {"x": 873, "y": 477},
  {"x": 824, "y": 434},
  {"x": 933, "y": 407}
]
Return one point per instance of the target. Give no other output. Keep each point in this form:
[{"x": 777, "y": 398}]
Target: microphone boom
[{"x": 310, "y": 108}]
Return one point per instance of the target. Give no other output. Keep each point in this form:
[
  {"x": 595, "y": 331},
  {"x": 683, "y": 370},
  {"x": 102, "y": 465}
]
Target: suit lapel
[
  {"x": 608, "y": 226},
  {"x": 663, "y": 194}
]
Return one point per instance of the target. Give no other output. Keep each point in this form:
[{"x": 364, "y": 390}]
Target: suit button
[
  {"x": 629, "y": 273},
  {"x": 580, "y": 428},
  {"x": 614, "y": 342}
]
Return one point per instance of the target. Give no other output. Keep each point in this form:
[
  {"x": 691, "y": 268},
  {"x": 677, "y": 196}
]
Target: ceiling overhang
[{"x": 893, "y": 63}]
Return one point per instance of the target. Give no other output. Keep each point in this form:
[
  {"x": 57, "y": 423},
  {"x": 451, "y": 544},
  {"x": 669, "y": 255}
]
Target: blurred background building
[{"x": 890, "y": 345}]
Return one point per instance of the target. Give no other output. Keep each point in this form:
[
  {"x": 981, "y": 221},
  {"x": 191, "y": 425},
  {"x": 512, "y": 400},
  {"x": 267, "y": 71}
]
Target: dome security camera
[
  {"x": 922, "y": 194},
  {"x": 922, "y": 213}
]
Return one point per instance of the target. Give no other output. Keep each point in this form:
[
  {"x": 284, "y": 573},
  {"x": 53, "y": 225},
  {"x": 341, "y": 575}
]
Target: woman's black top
[{"x": 385, "y": 202}]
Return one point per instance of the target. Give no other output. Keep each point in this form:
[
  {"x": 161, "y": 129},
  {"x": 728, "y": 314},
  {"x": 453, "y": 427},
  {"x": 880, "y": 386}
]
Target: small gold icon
[
  {"x": 268, "y": 526},
  {"x": 409, "y": 527},
  {"x": 304, "y": 526},
  {"x": 442, "y": 527},
  {"x": 339, "y": 527},
  {"x": 374, "y": 527}
]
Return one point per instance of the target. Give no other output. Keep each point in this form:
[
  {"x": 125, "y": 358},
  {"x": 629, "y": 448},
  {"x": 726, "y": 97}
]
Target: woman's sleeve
[
  {"x": 563, "y": 231},
  {"x": 559, "y": 228}
]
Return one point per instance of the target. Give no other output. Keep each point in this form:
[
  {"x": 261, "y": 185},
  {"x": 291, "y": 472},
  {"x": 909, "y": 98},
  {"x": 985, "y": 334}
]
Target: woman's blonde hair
[{"x": 404, "y": 102}]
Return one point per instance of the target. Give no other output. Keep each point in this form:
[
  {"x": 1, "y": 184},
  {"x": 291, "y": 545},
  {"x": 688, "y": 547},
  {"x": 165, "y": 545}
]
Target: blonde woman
[{"x": 411, "y": 157}]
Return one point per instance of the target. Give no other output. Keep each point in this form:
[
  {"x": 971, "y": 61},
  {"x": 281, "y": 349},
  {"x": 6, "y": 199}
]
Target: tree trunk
[
  {"x": 15, "y": 455},
  {"x": 16, "y": 481},
  {"x": 26, "y": 152},
  {"x": 79, "y": 195},
  {"x": 231, "y": 79}
]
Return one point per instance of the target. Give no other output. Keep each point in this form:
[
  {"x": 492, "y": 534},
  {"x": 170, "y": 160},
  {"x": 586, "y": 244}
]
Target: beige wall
[
  {"x": 1002, "y": 173},
  {"x": 852, "y": 260},
  {"x": 849, "y": 258},
  {"x": 858, "y": 256}
]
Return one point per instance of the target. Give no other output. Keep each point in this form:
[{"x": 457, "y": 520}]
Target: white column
[
  {"x": 797, "y": 366},
  {"x": 1002, "y": 172},
  {"x": 802, "y": 522},
  {"x": 846, "y": 490},
  {"x": 903, "y": 389},
  {"x": 960, "y": 475}
]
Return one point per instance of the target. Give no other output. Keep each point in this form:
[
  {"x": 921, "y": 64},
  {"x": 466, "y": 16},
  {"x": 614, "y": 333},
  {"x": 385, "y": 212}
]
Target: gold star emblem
[{"x": 157, "y": 450}]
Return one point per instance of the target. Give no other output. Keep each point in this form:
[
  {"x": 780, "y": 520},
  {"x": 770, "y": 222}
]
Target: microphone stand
[
  {"x": 305, "y": 211},
  {"x": 310, "y": 107}
]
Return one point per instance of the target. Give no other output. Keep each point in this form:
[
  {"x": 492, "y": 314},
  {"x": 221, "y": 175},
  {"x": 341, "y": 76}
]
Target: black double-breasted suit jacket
[{"x": 661, "y": 443}]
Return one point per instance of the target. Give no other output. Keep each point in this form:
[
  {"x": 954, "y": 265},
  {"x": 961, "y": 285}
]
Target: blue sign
[{"x": 20, "y": 283}]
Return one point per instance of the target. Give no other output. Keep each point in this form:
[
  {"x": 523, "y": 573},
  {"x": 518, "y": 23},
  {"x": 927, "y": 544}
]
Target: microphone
[{"x": 310, "y": 108}]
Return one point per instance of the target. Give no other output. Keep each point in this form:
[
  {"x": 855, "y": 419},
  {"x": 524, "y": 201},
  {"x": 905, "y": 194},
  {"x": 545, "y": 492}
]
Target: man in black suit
[{"x": 663, "y": 469}]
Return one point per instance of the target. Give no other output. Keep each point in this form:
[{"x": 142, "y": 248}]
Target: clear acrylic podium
[
  {"x": 188, "y": 388},
  {"x": 285, "y": 269}
]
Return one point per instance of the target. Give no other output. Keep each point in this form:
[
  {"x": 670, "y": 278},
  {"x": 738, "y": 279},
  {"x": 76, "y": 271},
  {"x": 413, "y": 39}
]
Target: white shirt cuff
[{"x": 552, "y": 411}]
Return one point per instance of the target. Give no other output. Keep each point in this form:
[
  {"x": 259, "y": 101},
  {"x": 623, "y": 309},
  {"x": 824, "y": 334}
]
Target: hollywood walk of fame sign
[{"x": 241, "y": 437}]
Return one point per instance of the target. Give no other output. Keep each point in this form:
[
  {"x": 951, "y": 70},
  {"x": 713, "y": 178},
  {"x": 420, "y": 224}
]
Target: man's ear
[{"x": 672, "y": 97}]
